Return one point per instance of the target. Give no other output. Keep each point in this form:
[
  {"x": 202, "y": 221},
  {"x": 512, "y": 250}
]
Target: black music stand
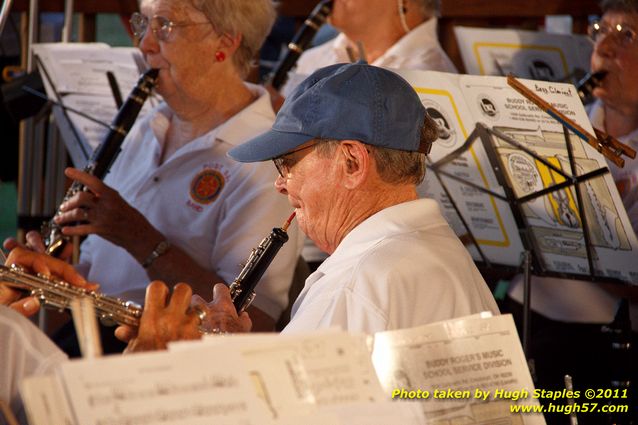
[{"x": 531, "y": 256}]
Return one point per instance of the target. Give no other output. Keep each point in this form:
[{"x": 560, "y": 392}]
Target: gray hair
[
  {"x": 626, "y": 6},
  {"x": 394, "y": 166},
  {"x": 252, "y": 19}
]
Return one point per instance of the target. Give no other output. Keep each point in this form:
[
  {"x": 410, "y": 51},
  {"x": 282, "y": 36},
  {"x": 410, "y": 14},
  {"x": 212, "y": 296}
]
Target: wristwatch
[{"x": 160, "y": 249}]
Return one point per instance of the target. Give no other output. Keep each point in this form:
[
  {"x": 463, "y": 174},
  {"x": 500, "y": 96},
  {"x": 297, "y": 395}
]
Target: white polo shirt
[
  {"x": 418, "y": 49},
  {"x": 215, "y": 209},
  {"x": 400, "y": 268}
]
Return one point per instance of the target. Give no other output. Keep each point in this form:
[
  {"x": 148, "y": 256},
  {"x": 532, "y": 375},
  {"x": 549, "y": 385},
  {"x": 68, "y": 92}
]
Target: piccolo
[
  {"x": 56, "y": 293},
  {"x": 300, "y": 42},
  {"x": 611, "y": 148}
]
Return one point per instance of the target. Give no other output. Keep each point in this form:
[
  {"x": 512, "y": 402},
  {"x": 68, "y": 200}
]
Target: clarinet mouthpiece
[{"x": 588, "y": 83}]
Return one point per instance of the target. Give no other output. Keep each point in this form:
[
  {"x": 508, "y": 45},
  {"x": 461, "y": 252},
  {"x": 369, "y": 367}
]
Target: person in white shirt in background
[{"x": 398, "y": 34}]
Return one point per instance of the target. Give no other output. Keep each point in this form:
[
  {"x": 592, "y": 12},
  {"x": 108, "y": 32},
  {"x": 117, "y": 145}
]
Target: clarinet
[
  {"x": 300, "y": 42},
  {"x": 587, "y": 84},
  {"x": 242, "y": 289},
  {"x": 104, "y": 155},
  {"x": 52, "y": 292}
]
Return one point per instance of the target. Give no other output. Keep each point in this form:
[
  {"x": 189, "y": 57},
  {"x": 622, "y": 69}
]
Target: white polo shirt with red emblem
[{"x": 215, "y": 209}]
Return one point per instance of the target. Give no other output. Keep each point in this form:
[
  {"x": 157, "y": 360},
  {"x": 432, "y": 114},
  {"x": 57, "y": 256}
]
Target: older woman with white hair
[{"x": 174, "y": 207}]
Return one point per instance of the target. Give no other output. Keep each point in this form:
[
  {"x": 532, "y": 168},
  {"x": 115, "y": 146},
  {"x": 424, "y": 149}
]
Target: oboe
[
  {"x": 242, "y": 289},
  {"x": 104, "y": 155},
  {"x": 300, "y": 42},
  {"x": 57, "y": 293}
]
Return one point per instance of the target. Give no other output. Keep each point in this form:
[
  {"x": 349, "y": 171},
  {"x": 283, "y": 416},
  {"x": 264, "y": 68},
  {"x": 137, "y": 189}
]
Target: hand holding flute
[{"x": 163, "y": 319}]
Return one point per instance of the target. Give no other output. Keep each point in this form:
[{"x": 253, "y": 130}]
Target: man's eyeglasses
[
  {"x": 625, "y": 34},
  {"x": 162, "y": 27},
  {"x": 285, "y": 162}
]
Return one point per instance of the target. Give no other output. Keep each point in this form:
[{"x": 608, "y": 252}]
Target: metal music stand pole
[{"x": 4, "y": 13}]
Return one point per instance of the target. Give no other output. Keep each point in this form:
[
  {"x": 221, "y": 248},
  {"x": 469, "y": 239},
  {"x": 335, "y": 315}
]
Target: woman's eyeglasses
[
  {"x": 624, "y": 34},
  {"x": 162, "y": 27}
]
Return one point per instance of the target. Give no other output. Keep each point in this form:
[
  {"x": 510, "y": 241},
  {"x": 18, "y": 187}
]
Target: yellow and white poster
[{"x": 552, "y": 224}]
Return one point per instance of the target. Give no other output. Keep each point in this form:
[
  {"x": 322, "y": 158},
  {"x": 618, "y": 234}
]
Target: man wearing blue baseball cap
[{"x": 350, "y": 146}]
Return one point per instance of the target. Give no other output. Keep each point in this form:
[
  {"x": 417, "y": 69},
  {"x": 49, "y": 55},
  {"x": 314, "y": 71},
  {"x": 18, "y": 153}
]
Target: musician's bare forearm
[{"x": 174, "y": 266}]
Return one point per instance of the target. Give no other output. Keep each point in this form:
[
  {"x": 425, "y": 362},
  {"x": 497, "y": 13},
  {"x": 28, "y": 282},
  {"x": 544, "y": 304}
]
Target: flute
[
  {"x": 57, "y": 293},
  {"x": 300, "y": 42},
  {"x": 104, "y": 155},
  {"x": 52, "y": 292}
]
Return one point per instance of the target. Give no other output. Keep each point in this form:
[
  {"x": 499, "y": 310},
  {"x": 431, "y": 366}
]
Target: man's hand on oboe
[
  {"x": 181, "y": 316},
  {"x": 221, "y": 315}
]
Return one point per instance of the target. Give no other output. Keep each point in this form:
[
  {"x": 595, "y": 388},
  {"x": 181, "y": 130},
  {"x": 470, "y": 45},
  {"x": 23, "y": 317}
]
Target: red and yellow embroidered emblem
[{"x": 206, "y": 186}]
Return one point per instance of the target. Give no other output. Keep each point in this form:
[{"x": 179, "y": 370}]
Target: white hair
[{"x": 252, "y": 19}]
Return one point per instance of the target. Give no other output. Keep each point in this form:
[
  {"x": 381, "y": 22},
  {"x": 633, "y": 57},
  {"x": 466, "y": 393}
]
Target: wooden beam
[
  {"x": 125, "y": 7},
  {"x": 517, "y": 9}
]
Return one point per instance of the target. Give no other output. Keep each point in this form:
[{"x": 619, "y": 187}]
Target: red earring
[{"x": 220, "y": 56}]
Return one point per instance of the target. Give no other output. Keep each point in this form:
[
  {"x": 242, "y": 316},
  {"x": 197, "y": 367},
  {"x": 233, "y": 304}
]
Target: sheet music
[
  {"x": 327, "y": 378},
  {"x": 204, "y": 386},
  {"x": 45, "y": 402},
  {"x": 468, "y": 357},
  {"x": 379, "y": 413},
  {"x": 526, "y": 54},
  {"x": 77, "y": 71},
  {"x": 298, "y": 374}
]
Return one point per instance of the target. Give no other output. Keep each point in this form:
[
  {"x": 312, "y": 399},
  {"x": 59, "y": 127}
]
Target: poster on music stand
[
  {"x": 553, "y": 222},
  {"x": 526, "y": 54},
  {"x": 75, "y": 75}
]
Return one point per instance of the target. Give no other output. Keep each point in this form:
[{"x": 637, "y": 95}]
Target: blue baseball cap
[{"x": 353, "y": 101}]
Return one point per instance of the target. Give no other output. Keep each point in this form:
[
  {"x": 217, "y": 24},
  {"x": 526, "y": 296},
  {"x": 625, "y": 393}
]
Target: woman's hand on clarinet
[
  {"x": 184, "y": 317},
  {"x": 102, "y": 211},
  {"x": 45, "y": 265}
]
